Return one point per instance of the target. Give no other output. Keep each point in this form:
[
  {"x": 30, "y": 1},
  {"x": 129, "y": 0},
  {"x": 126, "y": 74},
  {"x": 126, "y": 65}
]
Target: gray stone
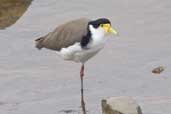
[{"x": 120, "y": 105}]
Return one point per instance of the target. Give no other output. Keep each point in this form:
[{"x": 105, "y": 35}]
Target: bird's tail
[{"x": 39, "y": 43}]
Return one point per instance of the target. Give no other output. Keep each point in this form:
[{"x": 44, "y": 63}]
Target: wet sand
[{"x": 39, "y": 82}]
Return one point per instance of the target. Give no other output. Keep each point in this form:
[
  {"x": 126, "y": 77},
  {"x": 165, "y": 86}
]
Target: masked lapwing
[{"x": 77, "y": 40}]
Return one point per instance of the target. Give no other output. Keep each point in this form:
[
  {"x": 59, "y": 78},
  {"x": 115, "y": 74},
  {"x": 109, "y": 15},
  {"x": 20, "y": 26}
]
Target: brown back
[{"x": 66, "y": 34}]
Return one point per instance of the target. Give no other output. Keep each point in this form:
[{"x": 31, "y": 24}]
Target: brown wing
[{"x": 65, "y": 35}]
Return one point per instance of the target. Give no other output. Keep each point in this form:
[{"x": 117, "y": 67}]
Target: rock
[
  {"x": 120, "y": 105},
  {"x": 11, "y": 11},
  {"x": 158, "y": 70}
]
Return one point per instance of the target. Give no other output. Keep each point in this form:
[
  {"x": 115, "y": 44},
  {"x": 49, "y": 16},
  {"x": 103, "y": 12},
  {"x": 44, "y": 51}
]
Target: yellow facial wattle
[{"x": 109, "y": 29}]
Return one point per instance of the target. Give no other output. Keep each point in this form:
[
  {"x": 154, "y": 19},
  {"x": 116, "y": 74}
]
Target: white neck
[{"x": 98, "y": 35}]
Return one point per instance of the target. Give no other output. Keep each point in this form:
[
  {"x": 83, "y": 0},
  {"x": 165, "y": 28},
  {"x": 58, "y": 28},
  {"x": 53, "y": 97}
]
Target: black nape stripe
[{"x": 86, "y": 39}]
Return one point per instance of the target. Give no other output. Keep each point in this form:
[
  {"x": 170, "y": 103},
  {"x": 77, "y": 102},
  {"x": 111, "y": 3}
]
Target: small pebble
[{"x": 158, "y": 70}]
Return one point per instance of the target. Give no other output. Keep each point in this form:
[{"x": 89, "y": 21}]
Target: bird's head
[{"x": 102, "y": 25}]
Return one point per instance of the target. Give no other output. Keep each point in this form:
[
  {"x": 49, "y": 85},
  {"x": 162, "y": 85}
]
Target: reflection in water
[
  {"x": 11, "y": 11},
  {"x": 68, "y": 111}
]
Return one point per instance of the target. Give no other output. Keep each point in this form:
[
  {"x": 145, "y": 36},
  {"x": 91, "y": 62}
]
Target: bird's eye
[{"x": 101, "y": 25}]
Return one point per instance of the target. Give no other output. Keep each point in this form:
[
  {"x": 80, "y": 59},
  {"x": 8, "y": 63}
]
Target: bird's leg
[
  {"x": 82, "y": 89},
  {"x": 82, "y": 71}
]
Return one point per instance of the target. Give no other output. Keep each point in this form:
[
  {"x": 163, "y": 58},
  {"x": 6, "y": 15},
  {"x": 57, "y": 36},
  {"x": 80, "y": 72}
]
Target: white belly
[
  {"x": 85, "y": 55},
  {"x": 77, "y": 54}
]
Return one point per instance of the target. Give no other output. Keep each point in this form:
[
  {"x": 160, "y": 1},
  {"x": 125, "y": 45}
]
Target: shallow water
[{"x": 39, "y": 82}]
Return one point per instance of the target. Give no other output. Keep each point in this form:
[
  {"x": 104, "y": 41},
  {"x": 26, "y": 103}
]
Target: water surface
[{"x": 39, "y": 82}]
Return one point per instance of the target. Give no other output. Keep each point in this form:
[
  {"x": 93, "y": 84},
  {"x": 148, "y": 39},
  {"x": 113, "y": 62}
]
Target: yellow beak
[{"x": 109, "y": 29}]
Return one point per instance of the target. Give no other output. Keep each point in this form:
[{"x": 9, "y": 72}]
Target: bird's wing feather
[{"x": 66, "y": 34}]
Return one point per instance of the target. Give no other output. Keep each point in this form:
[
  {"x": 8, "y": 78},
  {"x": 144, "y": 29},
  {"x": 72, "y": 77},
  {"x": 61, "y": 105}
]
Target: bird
[{"x": 78, "y": 40}]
